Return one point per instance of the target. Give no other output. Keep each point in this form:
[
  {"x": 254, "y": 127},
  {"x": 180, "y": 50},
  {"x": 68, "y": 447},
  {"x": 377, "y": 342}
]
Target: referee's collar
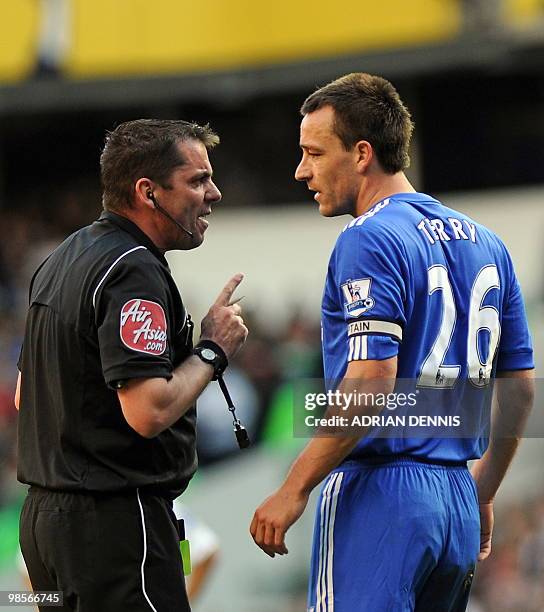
[{"x": 131, "y": 227}]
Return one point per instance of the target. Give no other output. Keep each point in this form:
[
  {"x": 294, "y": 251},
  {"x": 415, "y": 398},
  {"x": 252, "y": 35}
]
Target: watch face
[{"x": 208, "y": 354}]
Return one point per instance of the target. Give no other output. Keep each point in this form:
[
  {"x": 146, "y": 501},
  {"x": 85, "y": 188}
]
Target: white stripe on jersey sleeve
[
  {"x": 358, "y": 348},
  {"x": 351, "y": 349}
]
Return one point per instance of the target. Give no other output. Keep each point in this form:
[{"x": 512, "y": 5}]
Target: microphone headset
[
  {"x": 239, "y": 429},
  {"x": 151, "y": 196}
]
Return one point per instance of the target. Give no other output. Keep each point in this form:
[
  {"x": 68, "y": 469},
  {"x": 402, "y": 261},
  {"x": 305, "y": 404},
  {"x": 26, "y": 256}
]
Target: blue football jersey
[{"x": 416, "y": 279}]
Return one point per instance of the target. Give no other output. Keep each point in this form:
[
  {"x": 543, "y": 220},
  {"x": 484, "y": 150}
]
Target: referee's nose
[{"x": 213, "y": 194}]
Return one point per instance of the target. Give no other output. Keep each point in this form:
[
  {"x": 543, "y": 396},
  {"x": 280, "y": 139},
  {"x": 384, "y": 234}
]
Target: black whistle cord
[{"x": 239, "y": 430}]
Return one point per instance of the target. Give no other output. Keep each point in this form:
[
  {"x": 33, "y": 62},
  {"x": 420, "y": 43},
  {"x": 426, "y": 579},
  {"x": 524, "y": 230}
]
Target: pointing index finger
[
  {"x": 223, "y": 299},
  {"x": 237, "y": 300}
]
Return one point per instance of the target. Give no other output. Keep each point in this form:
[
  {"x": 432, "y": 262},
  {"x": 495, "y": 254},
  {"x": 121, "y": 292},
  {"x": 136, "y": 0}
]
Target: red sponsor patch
[{"x": 143, "y": 326}]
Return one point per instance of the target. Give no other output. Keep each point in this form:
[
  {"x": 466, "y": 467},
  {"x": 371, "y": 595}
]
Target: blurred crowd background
[{"x": 472, "y": 73}]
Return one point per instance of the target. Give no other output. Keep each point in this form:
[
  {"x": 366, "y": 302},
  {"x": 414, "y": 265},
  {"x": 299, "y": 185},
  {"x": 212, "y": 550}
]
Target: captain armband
[{"x": 375, "y": 327}]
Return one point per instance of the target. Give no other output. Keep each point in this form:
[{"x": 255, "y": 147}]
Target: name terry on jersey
[{"x": 435, "y": 230}]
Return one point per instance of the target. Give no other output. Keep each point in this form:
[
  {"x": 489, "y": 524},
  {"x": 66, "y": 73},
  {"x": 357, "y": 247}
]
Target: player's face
[
  {"x": 189, "y": 198},
  {"x": 326, "y": 166}
]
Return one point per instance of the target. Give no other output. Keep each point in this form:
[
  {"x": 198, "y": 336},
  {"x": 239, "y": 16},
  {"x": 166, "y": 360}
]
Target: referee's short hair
[
  {"x": 368, "y": 107},
  {"x": 145, "y": 147}
]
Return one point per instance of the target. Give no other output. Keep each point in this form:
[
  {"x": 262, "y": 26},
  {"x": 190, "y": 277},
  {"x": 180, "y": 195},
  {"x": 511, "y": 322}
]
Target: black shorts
[{"x": 106, "y": 552}]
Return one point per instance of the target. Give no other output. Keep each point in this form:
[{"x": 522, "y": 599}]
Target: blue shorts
[{"x": 394, "y": 536}]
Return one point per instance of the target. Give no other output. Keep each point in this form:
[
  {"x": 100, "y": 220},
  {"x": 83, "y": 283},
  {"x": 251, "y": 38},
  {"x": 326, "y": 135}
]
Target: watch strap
[{"x": 221, "y": 361}]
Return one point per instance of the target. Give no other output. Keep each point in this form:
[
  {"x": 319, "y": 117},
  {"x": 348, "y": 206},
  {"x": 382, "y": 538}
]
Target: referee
[{"x": 109, "y": 379}]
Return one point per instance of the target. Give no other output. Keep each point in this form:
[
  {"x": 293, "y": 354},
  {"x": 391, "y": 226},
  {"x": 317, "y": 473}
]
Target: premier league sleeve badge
[{"x": 357, "y": 297}]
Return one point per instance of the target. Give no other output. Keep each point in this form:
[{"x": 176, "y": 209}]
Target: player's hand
[
  {"x": 224, "y": 324},
  {"x": 273, "y": 518},
  {"x": 486, "y": 529}
]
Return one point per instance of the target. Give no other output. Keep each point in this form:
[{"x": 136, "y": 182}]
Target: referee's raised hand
[{"x": 224, "y": 324}]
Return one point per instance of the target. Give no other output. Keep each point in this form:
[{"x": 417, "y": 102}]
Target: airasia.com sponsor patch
[{"x": 143, "y": 326}]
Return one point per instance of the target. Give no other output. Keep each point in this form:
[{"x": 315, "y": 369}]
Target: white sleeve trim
[{"x": 111, "y": 268}]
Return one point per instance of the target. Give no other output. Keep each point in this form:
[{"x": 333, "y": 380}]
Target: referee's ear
[{"x": 142, "y": 188}]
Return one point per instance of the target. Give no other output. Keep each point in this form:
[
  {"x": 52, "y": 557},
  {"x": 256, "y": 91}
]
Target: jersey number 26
[{"x": 434, "y": 373}]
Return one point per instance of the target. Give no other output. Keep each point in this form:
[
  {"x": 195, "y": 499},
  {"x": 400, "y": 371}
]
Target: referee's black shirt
[{"x": 103, "y": 309}]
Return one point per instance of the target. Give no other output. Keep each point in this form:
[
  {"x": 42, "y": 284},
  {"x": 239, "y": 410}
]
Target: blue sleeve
[
  {"x": 369, "y": 281},
  {"x": 515, "y": 346}
]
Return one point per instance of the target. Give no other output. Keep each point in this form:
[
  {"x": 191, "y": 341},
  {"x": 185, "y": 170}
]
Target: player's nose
[{"x": 302, "y": 172}]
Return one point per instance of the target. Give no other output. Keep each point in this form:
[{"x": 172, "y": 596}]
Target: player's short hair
[
  {"x": 145, "y": 147},
  {"x": 368, "y": 107}
]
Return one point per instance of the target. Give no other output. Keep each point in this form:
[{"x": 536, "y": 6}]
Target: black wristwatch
[{"x": 213, "y": 354}]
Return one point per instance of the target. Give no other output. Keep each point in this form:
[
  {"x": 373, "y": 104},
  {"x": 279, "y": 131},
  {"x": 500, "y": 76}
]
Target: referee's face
[
  {"x": 188, "y": 198},
  {"x": 326, "y": 166}
]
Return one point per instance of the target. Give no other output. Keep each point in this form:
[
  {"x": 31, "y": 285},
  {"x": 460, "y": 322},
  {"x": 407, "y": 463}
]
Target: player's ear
[{"x": 364, "y": 154}]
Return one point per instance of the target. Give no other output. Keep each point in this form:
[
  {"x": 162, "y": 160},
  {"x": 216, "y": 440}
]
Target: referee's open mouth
[{"x": 202, "y": 221}]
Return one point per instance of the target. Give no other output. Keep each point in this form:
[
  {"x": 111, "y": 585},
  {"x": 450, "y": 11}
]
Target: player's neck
[{"x": 377, "y": 187}]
